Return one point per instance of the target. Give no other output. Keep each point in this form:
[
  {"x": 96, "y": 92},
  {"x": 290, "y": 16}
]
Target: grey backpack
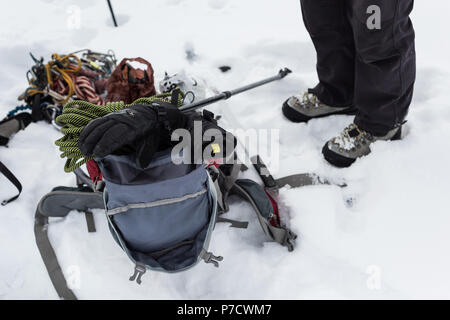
[{"x": 162, "y": 216}]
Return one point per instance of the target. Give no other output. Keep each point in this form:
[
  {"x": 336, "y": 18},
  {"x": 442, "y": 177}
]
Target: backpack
[{"x": 162, "y": 216}]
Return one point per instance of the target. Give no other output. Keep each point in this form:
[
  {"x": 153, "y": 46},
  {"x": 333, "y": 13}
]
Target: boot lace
[
  {"x": 310, "y": 99},
  {"x": 352, "y": 138}
]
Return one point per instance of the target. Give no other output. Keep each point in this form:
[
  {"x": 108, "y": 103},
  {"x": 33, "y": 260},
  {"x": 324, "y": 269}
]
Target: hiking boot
[
  {"x": 303, "y": 108},
  {"x": 353, "y": 143}
]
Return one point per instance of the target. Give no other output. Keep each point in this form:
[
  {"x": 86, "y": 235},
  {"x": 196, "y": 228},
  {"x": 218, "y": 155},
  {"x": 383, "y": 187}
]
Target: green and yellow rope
[{"x": 77, "y": 114}]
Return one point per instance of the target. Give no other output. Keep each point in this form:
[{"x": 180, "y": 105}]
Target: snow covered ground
[{"x": 384, "y": 236}]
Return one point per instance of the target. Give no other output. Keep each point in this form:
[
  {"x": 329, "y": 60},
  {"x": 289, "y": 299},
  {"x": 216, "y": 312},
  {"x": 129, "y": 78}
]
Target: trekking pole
[
  {"x": 112, "y": 13},
  {"x": 227, "y": 94}
]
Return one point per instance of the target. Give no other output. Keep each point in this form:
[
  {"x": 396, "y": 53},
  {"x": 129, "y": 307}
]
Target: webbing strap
[
  {"x": 281, "y": 235},
  {"x": 302, "y": 179},
  {"x": 234, "y": 223},
  {"x": 49, "y": 257},
  {"x": 297, "y": 180},
  {"x": 220, "y": 202},
  {"x": 83, "y": 179},
  {"x": 59, "y": 203},
  {"x": 231, "y": 179},
  {"x": 90, "y": 222},
  {"x": 36, "y": 112},
  {"x": 227, "y": 183},
  {"x": 11, "y": 177},
  {"x": 175, "y": 97}
]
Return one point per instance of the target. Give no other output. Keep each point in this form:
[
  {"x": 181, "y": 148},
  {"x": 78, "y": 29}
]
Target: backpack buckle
[
  {"x": 139, "y": 271},
  {"x": 99, "y": 185},
  {"x": 208, "y": 257},
  {"x": 289, "y": 240}
]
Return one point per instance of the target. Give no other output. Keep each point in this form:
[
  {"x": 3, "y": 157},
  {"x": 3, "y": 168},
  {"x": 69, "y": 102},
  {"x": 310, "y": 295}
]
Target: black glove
[{"x": 141, "y": 128}]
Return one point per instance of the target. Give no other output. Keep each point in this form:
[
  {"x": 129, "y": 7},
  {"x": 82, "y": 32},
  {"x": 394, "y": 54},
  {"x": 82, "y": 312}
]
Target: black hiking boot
[
  {"x": 353, "y": 143},
  {"x": 303, "y": 108}
]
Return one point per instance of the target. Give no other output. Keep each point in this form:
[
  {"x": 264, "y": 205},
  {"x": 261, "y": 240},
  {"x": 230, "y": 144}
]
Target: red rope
[{"x": 86, "y": 91}]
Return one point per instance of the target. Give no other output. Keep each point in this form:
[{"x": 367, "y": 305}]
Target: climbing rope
[
  {"x": 77, "y": 114},
  {"x": 85, "y": 91},
  {"x": 18, "y": 109},
  {"x": 63, "y": 67},
  {"x": 13, "y": 112}
]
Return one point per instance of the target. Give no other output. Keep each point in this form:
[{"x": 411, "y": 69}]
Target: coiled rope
[
  {"x": 77, "y": 114},
  {"x": 86, "y": 91},
  {"x": 64, "y": 67}
]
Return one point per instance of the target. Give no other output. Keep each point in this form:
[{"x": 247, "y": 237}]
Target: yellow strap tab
[
  {"x": 215, "y": 148},
  {"x": 93, "y": 64}
]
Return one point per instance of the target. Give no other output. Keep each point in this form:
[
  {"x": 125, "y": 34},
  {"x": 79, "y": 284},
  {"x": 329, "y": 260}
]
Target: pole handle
[{"x": 284, "y": 72}]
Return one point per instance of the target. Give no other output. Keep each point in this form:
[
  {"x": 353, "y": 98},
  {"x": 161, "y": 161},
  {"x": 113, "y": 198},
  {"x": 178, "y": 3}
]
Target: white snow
[
  {"x": 384, "y": 236},
  {"x": 137, "y": 65}
]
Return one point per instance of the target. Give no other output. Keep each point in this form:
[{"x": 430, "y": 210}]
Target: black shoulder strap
[
  {"x": 11, "y": 177},
  {"x": 36, "y": 112}
]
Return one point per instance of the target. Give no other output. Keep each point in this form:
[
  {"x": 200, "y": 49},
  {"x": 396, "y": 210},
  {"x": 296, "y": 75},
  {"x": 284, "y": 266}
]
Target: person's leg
[
  {"x": 332, "y": 36},
  {"x": 385, "y": 63},
  {"x": 384, "y": 77}
]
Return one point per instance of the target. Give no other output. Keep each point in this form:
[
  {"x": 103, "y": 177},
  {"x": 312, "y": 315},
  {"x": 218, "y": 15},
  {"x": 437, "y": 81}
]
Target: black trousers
[{"x": 372, "y": 69}]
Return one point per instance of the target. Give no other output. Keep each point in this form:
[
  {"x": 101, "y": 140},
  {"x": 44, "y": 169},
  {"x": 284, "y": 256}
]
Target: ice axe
[{"x": 227, "y": 94}]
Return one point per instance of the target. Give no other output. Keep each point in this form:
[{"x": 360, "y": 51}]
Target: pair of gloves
[{"x": 139, "y": 129}]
